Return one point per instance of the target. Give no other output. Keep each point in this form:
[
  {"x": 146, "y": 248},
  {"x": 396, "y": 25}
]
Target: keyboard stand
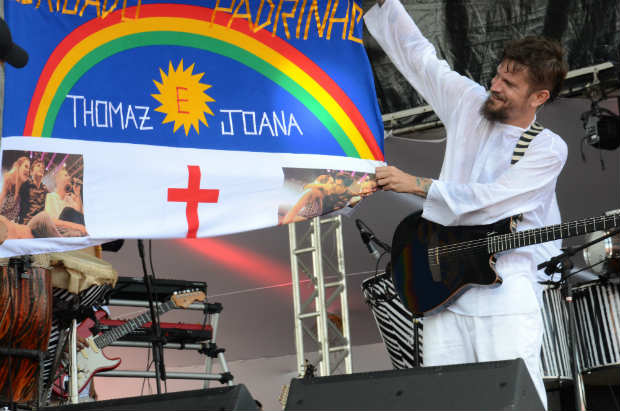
[{"x": 208, "y": 348}]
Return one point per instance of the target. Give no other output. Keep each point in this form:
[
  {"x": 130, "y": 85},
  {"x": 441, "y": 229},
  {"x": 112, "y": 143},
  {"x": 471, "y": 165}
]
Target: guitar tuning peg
[{"x": 174, "y": 292}]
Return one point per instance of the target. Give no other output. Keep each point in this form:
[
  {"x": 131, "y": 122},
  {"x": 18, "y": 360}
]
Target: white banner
[{"x": 56, "y": 198}]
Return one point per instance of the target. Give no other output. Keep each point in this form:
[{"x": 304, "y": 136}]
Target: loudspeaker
[
  {"x": 498, "y": 385},
  {"x": 234, "y": 397}
]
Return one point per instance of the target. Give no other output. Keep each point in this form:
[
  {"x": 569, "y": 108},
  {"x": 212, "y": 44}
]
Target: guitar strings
[{"x": 502, "y": 239}]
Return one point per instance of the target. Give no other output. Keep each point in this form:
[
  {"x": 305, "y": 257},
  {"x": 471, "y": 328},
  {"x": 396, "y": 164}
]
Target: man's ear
[{"x": 540, "y": 97}]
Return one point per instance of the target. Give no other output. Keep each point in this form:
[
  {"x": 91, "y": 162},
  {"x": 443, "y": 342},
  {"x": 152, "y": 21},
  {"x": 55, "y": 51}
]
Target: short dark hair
[
  {"x": 545, "y": 60},
  {"x": 35, "y": 163}
]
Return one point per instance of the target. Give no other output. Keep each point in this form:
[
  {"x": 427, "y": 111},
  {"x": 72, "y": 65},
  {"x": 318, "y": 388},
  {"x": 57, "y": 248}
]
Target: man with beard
[{"x": 479, "y": 185}]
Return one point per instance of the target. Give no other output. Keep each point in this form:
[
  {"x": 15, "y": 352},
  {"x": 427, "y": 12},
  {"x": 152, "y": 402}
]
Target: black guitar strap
[{"x": 524, "y": 141}]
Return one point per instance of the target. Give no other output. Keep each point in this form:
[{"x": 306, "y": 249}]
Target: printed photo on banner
[
  {"x": 313, "y": 192},
  {"x": 42, "y": 194}
]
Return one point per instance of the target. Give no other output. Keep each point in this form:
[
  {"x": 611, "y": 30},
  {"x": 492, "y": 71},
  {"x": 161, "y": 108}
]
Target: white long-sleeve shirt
[{"x": 477, "y": 184}]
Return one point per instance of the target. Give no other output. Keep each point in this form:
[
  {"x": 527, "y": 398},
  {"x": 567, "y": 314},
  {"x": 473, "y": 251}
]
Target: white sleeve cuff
[{"x": 435, "y": 208}]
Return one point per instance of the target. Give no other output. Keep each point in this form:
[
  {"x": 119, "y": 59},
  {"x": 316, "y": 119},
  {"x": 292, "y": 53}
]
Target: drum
[
  {"x": 25, "y": 323},
  {"x": 597, "y": 308},
  {"x": 603, "y": 257},
  {"x": 555, "y": 355},
  {"x": 395, "y": 322}
]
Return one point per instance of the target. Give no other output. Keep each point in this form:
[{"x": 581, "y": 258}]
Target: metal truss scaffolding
[{"x": 318, "y": 255}]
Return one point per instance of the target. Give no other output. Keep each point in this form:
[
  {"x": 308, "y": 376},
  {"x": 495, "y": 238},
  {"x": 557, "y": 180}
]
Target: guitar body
[
  {"x": 428, "y": 282},
  {"x": 90, "y": 361}
]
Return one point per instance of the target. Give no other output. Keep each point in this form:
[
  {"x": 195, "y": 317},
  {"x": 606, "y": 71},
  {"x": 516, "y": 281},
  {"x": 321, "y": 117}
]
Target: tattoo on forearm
[
  {"x": 427, "y": 185},
  {"x": 422, "y": 186}
]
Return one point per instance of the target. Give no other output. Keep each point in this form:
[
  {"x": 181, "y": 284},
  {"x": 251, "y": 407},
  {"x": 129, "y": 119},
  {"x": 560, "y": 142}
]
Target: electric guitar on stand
[
  {"x": 432, "y": 265},
  {"x": 91, "y": 359}
]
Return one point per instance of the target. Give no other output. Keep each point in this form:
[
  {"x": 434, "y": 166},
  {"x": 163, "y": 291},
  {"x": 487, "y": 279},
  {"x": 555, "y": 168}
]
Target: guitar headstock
[{"x": 183, "y": 299}]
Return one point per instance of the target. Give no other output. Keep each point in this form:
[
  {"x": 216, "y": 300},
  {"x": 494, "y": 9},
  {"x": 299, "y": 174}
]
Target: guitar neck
[
  {"x": 503, "y": 242},
  {"x": 109, "y": 337}
]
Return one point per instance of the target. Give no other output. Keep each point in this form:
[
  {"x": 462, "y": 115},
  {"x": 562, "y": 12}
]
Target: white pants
[{"x": 451, "y": 338}]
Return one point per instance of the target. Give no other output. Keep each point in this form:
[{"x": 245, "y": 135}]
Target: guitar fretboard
[
  {"x": 502, "y": 242},
  {"x": 120, "y": 331},
  {"x": 555, "y": 232}
]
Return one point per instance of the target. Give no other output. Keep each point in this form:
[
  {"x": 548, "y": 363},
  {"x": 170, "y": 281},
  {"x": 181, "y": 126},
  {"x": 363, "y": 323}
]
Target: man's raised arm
[{"x": 414, "y": 56}]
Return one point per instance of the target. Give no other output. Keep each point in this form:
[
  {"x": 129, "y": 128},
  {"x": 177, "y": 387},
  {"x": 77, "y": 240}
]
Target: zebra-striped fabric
[
  {"x": 555, "y": 354},
  {"x": 394, "y": 320},
  {"x": 524, "y": 142}
]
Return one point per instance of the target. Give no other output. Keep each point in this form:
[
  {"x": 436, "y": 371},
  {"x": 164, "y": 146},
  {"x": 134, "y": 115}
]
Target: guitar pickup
[{"x": 433, "y": 264}]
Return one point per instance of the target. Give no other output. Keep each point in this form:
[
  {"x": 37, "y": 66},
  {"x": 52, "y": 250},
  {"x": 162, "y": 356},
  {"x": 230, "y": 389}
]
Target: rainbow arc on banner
[{"x": 191, "y": 26}]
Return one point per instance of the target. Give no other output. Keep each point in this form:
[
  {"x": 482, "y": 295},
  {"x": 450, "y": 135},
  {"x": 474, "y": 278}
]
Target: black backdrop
[{"x": 470, "y": 35}]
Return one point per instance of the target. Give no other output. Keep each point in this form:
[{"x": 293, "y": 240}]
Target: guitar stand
[{"x": 66, "y": 335}]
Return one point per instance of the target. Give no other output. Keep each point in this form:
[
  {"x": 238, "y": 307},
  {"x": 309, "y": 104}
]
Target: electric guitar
[
  {"x": 91, "y": 359},
  {"x": 432, "y": 265}
]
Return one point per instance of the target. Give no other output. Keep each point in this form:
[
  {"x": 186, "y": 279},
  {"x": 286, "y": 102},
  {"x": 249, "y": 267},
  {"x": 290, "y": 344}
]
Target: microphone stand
[
  {"x": 415, "y": 320},
  {"x": 156, "y": 345},
  {"x": 562, "y": 264}
]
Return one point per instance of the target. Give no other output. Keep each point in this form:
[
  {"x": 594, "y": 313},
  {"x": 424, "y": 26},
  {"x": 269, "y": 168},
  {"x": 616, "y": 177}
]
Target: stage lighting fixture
[{"x": 602, "y": 128}]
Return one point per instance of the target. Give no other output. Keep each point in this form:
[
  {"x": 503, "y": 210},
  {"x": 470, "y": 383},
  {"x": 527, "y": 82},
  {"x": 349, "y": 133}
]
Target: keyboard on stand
[
  {"x": 179, "y": 333},
  {"x": 133, "y": 288}
]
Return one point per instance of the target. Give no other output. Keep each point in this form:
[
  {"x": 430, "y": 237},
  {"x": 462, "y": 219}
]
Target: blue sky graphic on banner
[{"x": 180, "y": 119}]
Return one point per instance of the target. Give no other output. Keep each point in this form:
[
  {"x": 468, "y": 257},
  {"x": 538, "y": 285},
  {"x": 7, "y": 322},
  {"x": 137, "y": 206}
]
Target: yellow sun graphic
[{"x": 182, "y": 98}]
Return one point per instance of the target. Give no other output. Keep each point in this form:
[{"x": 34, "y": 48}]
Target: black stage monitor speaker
[
  {"x": 235, "y": 397},
  {"x": 499, "y": 385}
]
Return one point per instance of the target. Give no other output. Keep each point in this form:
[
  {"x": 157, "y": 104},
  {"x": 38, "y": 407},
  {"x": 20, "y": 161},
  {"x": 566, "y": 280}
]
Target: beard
[{"x": 499, "y": 114}]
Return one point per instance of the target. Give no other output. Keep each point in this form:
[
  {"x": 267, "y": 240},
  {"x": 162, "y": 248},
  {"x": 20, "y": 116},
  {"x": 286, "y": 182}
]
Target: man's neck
[
  {"x": 37, "y": 181},
  {"x": 523, "y": 121}
]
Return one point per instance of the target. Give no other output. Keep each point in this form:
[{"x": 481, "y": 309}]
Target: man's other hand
[{"x": 390, "y": 178}]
